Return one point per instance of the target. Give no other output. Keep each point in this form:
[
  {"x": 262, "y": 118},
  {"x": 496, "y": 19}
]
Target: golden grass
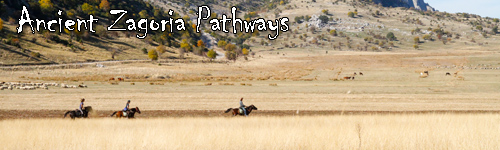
[{"x": 410, "y": 131}]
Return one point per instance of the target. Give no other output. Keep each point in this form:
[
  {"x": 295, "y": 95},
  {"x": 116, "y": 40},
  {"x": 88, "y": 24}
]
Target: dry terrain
[{"x": 417, "y": 131}]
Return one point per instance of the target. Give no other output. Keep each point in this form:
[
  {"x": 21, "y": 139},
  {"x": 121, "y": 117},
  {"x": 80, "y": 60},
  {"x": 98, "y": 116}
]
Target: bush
[
  {"x": 244, "y": 51},
  {"x": 390, "y": 36},
  {"x": 231, "y": 55},
  {"x": 152, "y": 54},
  {"x": 323, "y": 18},
  {"x": 325, "y": 11},
  {"x": 35, "y": 54},
  {"x": 144, "y": 50},
  {"x": 427, "y": 37},
  {"x": 1, "y": 24},
  {"x": 211, "y": 54},
  {"x": 350, "y": 14},
  {"x": 416, "y": 40},
  {"x": 415, "y": 46}
]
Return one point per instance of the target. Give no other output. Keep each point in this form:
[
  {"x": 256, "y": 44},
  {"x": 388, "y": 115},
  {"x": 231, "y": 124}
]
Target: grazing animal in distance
[
  {"x": 355, "y": 73},
  {"x": 448, "y": 74},
  {"x": 347, "y": 78},
  {"x": 236, "y": 111},
  {"x": 121, "y": 79},
  {"x": 360, "y": 73},
  {"x": 111, "y": 79}
]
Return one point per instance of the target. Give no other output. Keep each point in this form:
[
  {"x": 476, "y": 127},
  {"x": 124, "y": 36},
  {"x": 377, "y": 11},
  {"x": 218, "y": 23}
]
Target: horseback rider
[
  {"x": 126, "y": 106},
  {"x": 243, "y": 107},
  {"x": 81, "y": 106}
]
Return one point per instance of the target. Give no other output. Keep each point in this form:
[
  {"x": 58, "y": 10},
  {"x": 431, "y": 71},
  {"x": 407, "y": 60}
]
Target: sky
[{"x": 485, "y": 8}]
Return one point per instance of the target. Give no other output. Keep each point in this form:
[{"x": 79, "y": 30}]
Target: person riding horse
[
  {"x": 242, "y": 107},
  {"x": 81, "y": 106},
  {"x": 126, "y": 109}
]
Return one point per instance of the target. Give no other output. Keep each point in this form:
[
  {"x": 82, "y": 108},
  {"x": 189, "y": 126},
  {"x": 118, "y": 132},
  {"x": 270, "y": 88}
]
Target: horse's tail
[
  {"x": 66, "y": 114},
  {"x": 229, "y": 109},
  {"x": 113, "y": 113}
]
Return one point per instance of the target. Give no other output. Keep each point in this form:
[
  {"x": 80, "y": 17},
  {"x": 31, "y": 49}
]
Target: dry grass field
[{"x": 416, "y": 131}]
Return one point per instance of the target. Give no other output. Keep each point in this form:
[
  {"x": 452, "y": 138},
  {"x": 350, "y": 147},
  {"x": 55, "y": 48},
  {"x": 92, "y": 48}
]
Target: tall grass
[{"x": 416, "y": 131}]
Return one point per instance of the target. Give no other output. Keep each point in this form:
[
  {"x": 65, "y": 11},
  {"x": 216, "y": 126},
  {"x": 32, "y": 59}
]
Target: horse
[
  {"x": 236, "y": 111},
  {"x": 360, "y": 73},
  {"x": 111, "y": 79},
  {"x": 130, "y": 113},
  {"x": 121, "y": 79},
  {"x": 76, "y": 113},
  {"x": 347, "y": 78}
]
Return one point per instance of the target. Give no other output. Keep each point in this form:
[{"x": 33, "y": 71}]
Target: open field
[
  {"x": 274, "y": 82},
  {"x": 415, "y": 131}
]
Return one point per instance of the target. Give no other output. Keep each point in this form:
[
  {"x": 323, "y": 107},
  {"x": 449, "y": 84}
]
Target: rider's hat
[{"x": 128, "y": 101}]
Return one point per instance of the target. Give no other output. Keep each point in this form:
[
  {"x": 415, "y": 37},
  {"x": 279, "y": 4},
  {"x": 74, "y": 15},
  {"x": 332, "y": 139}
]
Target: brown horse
[
  {"x": 236, "y": 111},
  {"x": 130, "y": 113}
]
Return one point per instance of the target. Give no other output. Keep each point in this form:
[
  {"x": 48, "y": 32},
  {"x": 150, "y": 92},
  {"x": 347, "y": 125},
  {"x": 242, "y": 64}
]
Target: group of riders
[{"x": 83, "y": 112}]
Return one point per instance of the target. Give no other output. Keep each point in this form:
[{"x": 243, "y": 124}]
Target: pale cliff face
[{"x": 417, "y": 4}]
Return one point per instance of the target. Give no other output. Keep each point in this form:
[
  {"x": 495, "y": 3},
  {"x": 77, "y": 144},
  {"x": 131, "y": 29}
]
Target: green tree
[
  {"x": 390, "y": 36},
  {"x": 221, "y": 43},
  {"x": 494, "y": 30},
  {"x": 88, "y": 9},
  {"x": 350, "y": 14},
  {"x": 185, "y": 45},
  {"x": 416, "y": 40},
  {"x": 211, "y": 54},
  {"x": 143, "y": 14},
  {"x": 323, "y": 18},
  {"x": 152, "y": 54},
  {"x": 479, "y": 27},
  {"x": 496, "y": 20}
]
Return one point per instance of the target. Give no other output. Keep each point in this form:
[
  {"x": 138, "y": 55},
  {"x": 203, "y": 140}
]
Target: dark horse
[
  {"x": 76, "y": 113},
  {"x": 236, "y": 111},
  {"x": 130, "y": 113}
]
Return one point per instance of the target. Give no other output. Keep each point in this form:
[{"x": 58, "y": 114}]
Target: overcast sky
[{"x": 485, "y": 8}]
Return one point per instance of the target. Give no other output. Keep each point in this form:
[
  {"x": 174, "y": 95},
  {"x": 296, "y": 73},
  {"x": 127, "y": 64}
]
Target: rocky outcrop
[{"x": 417, "y": 4}]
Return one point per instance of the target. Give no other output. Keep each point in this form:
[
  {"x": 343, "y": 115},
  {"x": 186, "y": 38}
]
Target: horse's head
[
  {"x": 252, "y": 107},
  {"x": 139, "y": 111},
  {"x": 88, "y": 108}
]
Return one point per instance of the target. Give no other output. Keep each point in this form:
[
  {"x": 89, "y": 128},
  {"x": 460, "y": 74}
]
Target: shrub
[
  {"x": 416, "y": 40},
  {"x": 390, "y": 36},
  {"x": 231, "y": 55},
  {"x": 244, "y": 51},
  {"x": 350, "y": 14},
  {"x": 35, "y": 54},
  {"x": 152, "y": 54},
  {"x": 144, "y": 50},
  {"x": 415, "y": 46},
  {"x": 325, "y": 11},
  {"x": 323, "y": 18},
  {"x": 1, "y": 24},
  {"x": 427, "y": 37},
  {"x": 211, "y": 54}
]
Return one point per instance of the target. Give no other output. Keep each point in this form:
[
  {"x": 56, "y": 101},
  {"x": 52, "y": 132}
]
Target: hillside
[{"x": 319, "y": 25}]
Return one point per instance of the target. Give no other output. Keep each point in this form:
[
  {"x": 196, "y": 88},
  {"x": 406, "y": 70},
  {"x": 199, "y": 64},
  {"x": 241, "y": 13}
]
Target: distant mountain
[{"x": 417, "y": 4}]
